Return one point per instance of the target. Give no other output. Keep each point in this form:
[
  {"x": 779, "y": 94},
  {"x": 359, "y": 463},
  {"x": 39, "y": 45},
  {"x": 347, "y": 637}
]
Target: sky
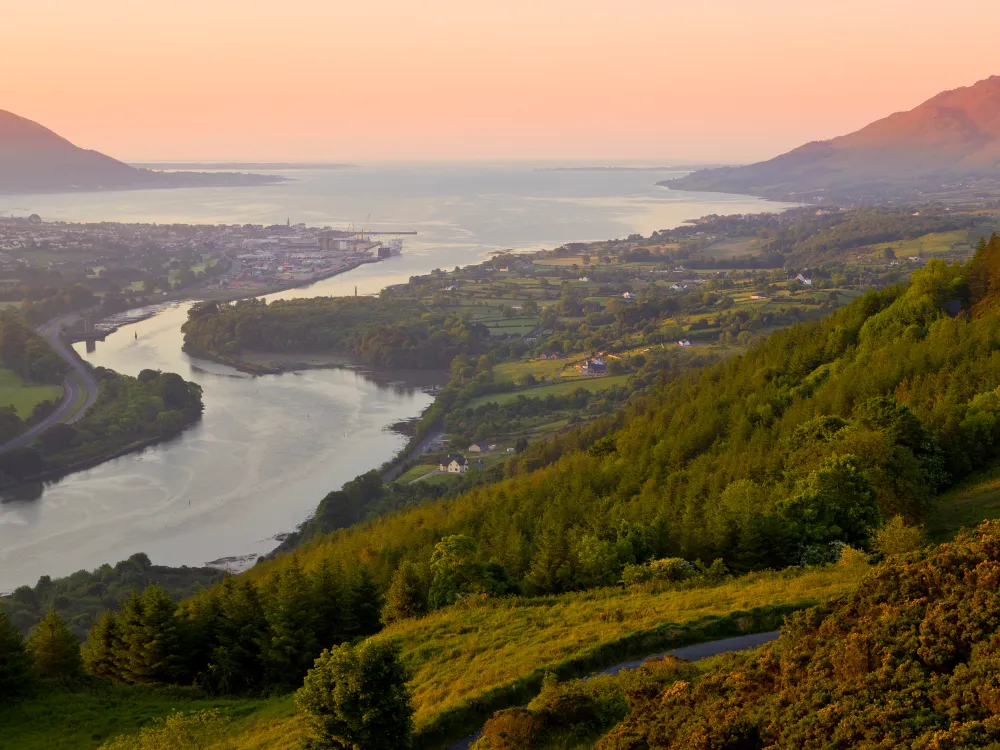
[{"x": 650, "y": 81}]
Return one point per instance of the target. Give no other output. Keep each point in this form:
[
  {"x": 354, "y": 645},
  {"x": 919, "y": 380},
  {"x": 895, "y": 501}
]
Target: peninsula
[{"x": 33, "y": 159}]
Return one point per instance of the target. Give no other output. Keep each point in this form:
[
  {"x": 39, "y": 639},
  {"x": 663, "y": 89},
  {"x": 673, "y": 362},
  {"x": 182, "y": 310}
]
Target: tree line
[{"x": 382, "y": 332}]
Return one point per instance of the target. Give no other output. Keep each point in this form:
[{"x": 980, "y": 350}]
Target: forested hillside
[
  {"x": 813, "y": 437},
  {"x": 381, "y": 332}
]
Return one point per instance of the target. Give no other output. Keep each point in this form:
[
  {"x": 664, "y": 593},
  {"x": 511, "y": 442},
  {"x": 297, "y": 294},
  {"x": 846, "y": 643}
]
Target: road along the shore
[
  {"x": 79, "y": 384},
  {"x": 689, "y": 653}
]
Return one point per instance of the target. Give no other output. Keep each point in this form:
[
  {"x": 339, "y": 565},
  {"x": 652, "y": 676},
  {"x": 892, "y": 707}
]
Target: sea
[{"x": 270, "y": 448}]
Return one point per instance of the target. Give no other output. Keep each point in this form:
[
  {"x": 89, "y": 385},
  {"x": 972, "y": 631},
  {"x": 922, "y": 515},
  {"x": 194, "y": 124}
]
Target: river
[{"x": 269, "y": 448}]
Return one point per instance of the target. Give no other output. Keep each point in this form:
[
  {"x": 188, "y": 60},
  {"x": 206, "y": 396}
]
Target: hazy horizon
[{"x": 716, "y": 81}]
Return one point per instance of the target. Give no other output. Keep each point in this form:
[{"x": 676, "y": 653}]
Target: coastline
[{"x": 90, "y": 463}]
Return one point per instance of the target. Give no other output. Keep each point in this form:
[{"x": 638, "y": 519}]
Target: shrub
[
  {"x": 178, "y": 730},
  {"x": 896, "y": 538},
  {"x": 511, "y": 729},
  {"x": 668, "y": 569},
  {"x": 356, "y": 697}
]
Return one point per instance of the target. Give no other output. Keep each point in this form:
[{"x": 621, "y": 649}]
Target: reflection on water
[{"x": 267, "y": 450}]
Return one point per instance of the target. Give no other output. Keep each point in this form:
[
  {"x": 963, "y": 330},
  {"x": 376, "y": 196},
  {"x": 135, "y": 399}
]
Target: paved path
[
  {"x": 690, "y": 653},
  {"x": 435, "y": 434},
  {"x": 79, "y": 379}
]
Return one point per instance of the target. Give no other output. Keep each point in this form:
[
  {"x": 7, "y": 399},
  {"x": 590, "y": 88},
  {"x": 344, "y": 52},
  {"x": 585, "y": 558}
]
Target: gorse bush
[{"x": 908, "y": 660}]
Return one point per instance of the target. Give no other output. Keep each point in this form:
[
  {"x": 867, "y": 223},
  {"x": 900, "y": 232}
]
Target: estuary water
[{"x": 269, "y": 448}]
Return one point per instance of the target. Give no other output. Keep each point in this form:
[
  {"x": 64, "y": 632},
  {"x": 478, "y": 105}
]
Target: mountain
[
  {"x": 33, "y": 159},
  {"x": 949, "y": 142}
]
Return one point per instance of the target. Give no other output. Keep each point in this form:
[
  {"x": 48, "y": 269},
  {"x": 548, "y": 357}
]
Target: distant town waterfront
[{"x": 269, "y": 448}]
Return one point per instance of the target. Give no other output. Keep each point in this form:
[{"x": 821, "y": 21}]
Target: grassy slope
[
  {"x": 87, "y": 717},
  {"x": 23, "y": 395},
  {"x": 461, "y": 659},
  {"x": 970, "y": 503},
  {"x": 461, "y": 652},
  {"x": 563, "y": 388}
]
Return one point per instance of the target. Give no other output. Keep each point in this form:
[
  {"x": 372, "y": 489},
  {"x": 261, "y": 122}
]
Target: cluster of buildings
[
  {"x": 257, "y": 253},
  {"x": 304, "y": 256}
]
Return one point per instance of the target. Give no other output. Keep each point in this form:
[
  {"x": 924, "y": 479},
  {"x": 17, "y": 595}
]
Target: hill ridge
[{"x": 953, "y": 136}]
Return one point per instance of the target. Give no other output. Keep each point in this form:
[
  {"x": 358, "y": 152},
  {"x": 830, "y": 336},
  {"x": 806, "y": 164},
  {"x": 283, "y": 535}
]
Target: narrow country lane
[
  {"x": 78, "y": 383},
  {"x": 690, "y": 653}
]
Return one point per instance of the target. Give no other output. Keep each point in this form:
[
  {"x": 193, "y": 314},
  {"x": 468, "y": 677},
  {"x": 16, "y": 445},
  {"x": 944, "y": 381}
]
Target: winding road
[
  {"x": 79, "y": 384},
  {"x": 689, "y": 653}
]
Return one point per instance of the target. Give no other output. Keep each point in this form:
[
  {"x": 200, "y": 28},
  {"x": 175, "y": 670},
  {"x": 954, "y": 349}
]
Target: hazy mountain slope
[
  {"x": 34, "y": 159},
  {"x": 952, "y": 137}
]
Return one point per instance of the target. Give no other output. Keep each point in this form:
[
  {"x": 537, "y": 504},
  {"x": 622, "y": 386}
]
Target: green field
[
  {"x": 24, "y": 396},
  {"x": 563, "y": 388},
  {"x": 540, "y": 368},
  {"x": 415, "y": 472},
  {"x": 727, "y": 249},
  {"x": 86, "y": 717}
]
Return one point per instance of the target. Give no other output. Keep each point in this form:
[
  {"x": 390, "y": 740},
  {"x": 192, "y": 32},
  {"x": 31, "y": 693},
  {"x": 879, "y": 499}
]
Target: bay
[{"x": 269, "y": 448}]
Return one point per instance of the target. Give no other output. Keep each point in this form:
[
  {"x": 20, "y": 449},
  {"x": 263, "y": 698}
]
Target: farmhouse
[{"x": 454, "y": 465}]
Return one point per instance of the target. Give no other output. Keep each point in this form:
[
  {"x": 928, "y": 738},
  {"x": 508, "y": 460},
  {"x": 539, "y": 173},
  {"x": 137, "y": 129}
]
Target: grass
[
  {"x": 415, "y": 472},
  {"x": 87, "y": 717},
  {"x": 592, "y": 384},
  {"x": 24, "y": 396},
  {"x": 975, "y": 500},
  {"x": 727, "y": 249},
  {"x": 540, "y": 368},
  {"x": 460, "y": 653}
]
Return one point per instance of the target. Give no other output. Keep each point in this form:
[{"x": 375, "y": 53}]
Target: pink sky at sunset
[{"x": 449, "y": 79}]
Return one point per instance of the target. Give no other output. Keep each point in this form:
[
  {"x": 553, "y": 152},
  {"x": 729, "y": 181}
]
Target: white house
[
  {"x": 454, "y": 465},
  {"x": 804, "y": 280},
  {"x": 683, "y": 342},
  {"x": 628, "y": 295},
  {"x": 479, "y": 447}
]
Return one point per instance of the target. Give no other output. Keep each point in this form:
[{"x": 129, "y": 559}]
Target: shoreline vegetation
[{"x": 129, "y": 415}]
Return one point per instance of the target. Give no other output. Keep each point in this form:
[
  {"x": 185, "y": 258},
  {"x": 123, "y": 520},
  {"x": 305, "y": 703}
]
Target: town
[{"x": 123, "y": 265}]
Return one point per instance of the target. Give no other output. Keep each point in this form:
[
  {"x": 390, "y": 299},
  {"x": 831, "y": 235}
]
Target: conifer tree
[
  {"x": 99, "y": 650},
  {"x": 54, "y": 649},
  {"x": 331, "y": 605},
  {"x": 16, "y": 673},
  {"x": 237, "y": 664},
  {"x": 149, "y": 645},
  {"x": 365, "y": 603},
  {"x": 292, "y": 646},
  {"x": 551, "y": 567},
  {"x": 126, "y": 632},
  {"x": 406, "y": 596}
]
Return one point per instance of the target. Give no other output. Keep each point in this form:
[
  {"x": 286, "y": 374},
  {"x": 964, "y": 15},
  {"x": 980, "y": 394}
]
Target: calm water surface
[{"x": 269, "y": 448}]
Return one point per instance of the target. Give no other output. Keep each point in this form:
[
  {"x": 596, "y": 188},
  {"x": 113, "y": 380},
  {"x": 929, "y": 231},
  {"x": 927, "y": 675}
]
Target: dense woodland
[
  {"x": 380, "y": 332},
  {"x": 82, "y": 597}
]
